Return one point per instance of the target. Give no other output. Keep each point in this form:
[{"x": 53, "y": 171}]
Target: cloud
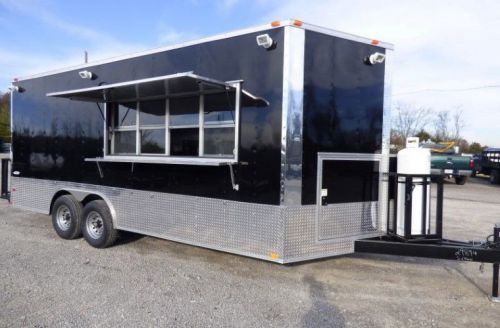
[
  {"x": 38, "y": 11},
  {"x": 17, "y": 64},
  {"x": 98, "y": 44},
  {"x": 227, "y": 4},
  {"x": 439, "y": 45},
  {"x": 168, "y": 35}
]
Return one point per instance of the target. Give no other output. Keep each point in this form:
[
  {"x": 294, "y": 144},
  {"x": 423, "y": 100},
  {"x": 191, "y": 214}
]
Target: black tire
[
  {"x": 460, "y": 180},
  {"x": 67, "y": 217},
  {"x": 97, "y": 225},
  {"x": 495, "y": 177}
]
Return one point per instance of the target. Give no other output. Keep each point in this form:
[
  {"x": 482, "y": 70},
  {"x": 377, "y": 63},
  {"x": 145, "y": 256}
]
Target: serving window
[
  {"x": 184, "y": 126},
  {"x": 198, "y": 126},
  {"x": 181, "y": 118}
]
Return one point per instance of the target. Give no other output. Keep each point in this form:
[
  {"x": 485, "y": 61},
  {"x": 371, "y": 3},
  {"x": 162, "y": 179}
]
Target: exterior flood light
[
  {"x": 15, "y": 88},
  {"x": 264, "y": 40},
  {"x": 376, "y": 58},
  {"x": 86, "y": 75}
]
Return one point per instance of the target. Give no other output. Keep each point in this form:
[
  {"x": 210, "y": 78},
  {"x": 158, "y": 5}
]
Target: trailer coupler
[{"x": 484, "y": 252}]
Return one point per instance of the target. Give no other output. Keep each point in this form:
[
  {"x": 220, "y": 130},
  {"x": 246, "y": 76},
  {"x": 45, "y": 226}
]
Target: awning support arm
[
  {"x": 99, "y": 169},
  {"x": 100, "y": 111},
  {"x": 231, "y": 172}
]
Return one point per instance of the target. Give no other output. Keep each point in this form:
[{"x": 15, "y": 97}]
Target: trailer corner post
[{"x": 292, "y": 116}]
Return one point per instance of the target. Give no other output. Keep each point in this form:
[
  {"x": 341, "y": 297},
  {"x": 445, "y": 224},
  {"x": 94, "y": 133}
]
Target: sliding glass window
[
  {"x": 152, "y": 116},
  {"x": 196, "y": 126},
  {"x": 219, "y": 122},
  {"x": 184, "y": 123},
  {"x": 123, "y": 128}
]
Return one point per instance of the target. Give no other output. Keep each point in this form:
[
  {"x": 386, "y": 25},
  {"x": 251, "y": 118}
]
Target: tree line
[
  {"x": 430, "y": 126},
  {"x": 4, "y": 117}
]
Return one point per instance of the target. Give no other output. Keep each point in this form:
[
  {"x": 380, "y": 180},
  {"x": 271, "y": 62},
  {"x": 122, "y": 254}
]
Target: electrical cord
[{"x": 490, "y": 243}]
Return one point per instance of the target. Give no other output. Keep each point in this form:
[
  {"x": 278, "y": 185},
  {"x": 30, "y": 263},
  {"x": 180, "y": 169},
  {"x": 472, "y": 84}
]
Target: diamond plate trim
[
  {"x": 280, "y": 234},
  {"x": 347, "y": 220}
]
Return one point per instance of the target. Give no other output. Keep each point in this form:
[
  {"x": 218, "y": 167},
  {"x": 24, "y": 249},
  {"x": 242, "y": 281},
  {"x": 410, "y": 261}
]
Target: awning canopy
[{"x": 167, "y": 86}]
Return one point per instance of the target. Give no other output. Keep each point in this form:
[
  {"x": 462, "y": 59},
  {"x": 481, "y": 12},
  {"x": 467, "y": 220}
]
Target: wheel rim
[
  {"x": 63, "y": 218},
  {"x": 95, "y": 225}
]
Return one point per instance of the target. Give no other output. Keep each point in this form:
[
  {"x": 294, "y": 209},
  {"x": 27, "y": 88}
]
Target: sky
[{"x": 447, "y": 53}]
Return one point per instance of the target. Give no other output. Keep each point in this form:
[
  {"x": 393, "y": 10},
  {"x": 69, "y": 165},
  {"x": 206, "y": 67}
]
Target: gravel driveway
[{"x": 49, "y": 282}]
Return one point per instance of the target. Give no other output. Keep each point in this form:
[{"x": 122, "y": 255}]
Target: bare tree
[
  {"x": 449, "y": 127},
  {"x": 441, "y": 123},
  {"x": 458, "y": 124},
  {"x": 408, "y": 120},
  {"x": 4, "y": 117}
]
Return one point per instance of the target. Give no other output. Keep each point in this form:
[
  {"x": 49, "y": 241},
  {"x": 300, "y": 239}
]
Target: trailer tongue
[{"x": 430, "y": 243}]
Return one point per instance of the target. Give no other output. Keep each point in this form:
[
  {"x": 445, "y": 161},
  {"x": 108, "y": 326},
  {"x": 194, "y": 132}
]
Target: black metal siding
[
  {"x": 53, "y": 136},
  {"x": 343, "y": 103}
]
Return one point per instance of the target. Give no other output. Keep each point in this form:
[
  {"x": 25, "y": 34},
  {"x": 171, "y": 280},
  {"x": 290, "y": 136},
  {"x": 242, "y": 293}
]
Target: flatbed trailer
[{"x": 490, "y": 164}]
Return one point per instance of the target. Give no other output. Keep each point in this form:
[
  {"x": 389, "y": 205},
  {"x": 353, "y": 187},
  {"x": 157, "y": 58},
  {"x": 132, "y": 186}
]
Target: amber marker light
[
  {"x": 275, "y": 23},
  {"x": 375, "y": 42},
  {"x": 297, "y": 22}
]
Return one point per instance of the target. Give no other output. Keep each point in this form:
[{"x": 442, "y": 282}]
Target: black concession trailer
[{"x": 270, "y": 142}]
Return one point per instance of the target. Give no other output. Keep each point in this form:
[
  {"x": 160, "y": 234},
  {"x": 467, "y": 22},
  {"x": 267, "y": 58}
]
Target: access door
[{"x": 348, "y": 195}]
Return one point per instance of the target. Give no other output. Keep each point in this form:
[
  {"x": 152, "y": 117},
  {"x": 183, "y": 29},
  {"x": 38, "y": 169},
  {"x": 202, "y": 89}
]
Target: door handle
[{"x": 324, "y": 195}]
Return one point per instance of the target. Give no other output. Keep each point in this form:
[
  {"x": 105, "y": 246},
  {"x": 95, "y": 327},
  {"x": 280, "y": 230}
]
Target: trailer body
[{"x": 275, "y": 153}]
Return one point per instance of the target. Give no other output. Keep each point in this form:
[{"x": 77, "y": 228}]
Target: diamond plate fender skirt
[{"x": 281, "y": 234}]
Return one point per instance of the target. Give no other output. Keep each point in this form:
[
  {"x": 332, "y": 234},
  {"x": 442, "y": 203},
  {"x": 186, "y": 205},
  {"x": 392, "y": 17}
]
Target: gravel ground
[{"x": 49, "y": 282}]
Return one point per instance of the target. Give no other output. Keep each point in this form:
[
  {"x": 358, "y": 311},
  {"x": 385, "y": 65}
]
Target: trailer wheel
[
  {"x": 460, "y": 180},
  {"x": 97, "y": 225},
  {"x": 495, "y": 177},
  {"x": 66, "y": 217}
]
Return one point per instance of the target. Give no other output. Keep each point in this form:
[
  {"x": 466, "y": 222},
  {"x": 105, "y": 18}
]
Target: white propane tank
[{"x": 413, "y": 160}]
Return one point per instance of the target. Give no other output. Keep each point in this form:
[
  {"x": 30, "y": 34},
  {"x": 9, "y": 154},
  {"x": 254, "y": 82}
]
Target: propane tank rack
[
  {"x": 429, "y": 243},
  {"x": 410, "y": 181}
]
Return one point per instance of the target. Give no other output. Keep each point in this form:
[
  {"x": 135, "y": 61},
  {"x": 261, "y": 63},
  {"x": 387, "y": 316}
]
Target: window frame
[{"x": 111, "y": 127}]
